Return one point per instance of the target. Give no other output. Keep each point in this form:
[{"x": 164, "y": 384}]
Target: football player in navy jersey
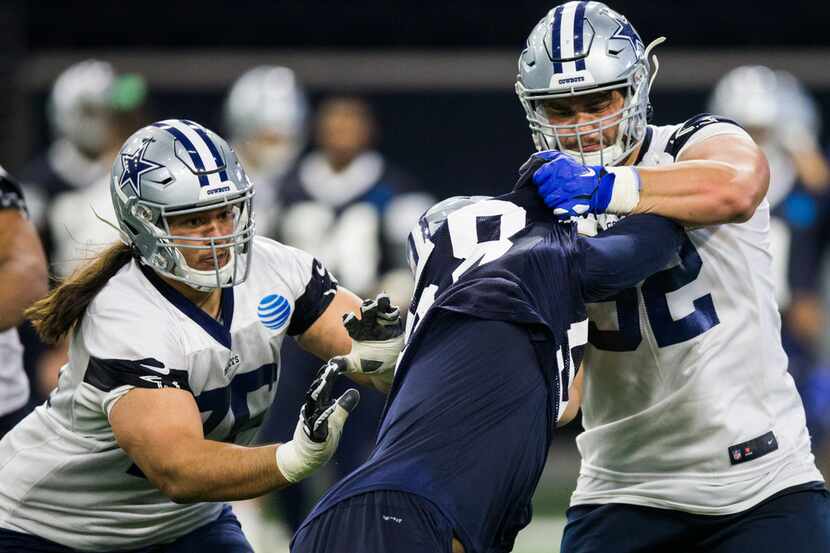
[
  {"x": 494, "y": 341},
  {"x": 695, "y": 436}
]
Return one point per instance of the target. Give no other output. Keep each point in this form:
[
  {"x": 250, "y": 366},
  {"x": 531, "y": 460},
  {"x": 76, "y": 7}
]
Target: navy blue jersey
[{"x": 495, "y": 334}]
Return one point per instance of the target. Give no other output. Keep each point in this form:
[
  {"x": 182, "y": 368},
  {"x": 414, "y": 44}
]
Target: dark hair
[{"x": 56, "y": 314}]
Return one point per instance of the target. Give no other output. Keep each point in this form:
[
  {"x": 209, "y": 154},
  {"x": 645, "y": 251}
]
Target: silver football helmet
[
  {"x": 581, "y": 48},
  {"x": 178, "y": 167},
  {"x": 80, "y": 102},
  {"x": 268, "y": 99}
]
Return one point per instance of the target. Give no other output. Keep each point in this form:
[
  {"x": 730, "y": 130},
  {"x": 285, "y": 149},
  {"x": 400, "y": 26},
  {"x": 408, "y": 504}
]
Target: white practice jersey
[
  {"x": 687, "y": 402},
  {"x": 63, "y": 476}
]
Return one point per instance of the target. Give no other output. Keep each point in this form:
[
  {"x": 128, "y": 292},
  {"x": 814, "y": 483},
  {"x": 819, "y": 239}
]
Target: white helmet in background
[
  {"x": 772, "y": 101},
  {"x": 265, "y": 115},
  {"x": 79, "y": 105}
]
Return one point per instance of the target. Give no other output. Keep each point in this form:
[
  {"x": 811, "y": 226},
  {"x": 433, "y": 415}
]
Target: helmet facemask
[
  {"x": 164, "y": 253},
  {"x": 630, "y": 121}
]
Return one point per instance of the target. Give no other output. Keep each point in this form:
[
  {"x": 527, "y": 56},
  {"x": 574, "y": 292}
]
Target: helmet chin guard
[{"x": 582, "y": 48}]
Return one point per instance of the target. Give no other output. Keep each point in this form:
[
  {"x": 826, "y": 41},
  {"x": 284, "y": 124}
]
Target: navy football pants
[
  {"x": 223, "y": 535},
  {"x": 379, "y": 521},
  {"x": 793, "y": 521}
]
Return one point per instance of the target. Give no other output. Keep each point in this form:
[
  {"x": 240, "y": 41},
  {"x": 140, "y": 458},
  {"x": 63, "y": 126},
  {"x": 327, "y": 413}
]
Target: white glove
[
  {"x": 377, "y": 338},
  {"x": 320, "y": 426}
]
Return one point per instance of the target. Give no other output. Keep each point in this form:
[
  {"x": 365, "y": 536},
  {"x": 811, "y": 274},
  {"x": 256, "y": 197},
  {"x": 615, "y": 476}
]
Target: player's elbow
[
  {"x": 746, "y": 188},
  {"x": 178, "y": 491},
  {"x": 172, "y": 481}
]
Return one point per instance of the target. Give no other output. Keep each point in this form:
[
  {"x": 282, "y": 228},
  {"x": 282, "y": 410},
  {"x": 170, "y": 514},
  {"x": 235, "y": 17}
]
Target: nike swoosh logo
[
  {"x": 320, "y": 269},
  {"x": 327, "y": 292},
  {"x": 588, "y": 172},
  {"x": 159, "y": 370}
]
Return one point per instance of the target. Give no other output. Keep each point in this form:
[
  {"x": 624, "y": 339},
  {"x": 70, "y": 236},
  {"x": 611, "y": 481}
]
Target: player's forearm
[
  {"x": 25, "y": 281},
  {"x": 23, "y": 269},
  {"x": 702, "y": 192},
  {"x": 620, "y": 257},
  {"x": 206, "y": 470}
]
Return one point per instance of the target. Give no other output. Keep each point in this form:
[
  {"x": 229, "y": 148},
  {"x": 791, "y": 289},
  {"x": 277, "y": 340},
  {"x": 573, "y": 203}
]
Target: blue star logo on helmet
[
  {"x": 274, "y": 311},
  {"x": 135, "y": 165},
  {"x": 625, "y": 31}
]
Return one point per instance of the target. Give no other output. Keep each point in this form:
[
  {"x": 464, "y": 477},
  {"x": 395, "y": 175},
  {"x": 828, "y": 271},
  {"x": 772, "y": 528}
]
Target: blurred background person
[
  {"x": 74, "y": 216},
  {"x": 92, "y": 110},
  {"x": 353, "y": 208},
  {"x": 348, "y": 203},
  {"x": 24, "y": 277},
  {"x": 80, "y": 120},
  {"x": 784, "y": 119},
  {"x": 265, "y": 115}
]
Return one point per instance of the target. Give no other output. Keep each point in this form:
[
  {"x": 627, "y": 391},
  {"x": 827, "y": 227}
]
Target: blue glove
[{"x": 572, "y": 189}]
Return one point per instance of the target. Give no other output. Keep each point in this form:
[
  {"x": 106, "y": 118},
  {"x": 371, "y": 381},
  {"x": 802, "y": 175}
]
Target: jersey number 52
[{"x": 655, "y": 288}]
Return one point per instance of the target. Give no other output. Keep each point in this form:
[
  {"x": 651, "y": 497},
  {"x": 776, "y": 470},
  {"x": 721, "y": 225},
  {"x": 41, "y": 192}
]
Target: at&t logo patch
[{"x": 274, "y": 311}]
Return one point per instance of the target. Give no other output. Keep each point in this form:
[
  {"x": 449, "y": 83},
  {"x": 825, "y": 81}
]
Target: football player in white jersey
[
  {"x": 173, "y": 361},
  {"x": 695, "y": 438}
]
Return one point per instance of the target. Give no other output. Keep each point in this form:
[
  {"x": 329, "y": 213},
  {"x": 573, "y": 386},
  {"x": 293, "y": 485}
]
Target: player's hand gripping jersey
[
  {"x": 501, "y": 259},
  {"x": 140, "y": 333},
  {"x": 710, "y": 421}
]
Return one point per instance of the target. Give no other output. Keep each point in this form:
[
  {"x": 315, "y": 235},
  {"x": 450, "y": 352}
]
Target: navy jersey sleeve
[
  {"x": 11, "y": 195},
  {"x": 318, "y": 294},
  {"x": 702, "y": 123},
  {"x": 108, "y": 374},
  {"x": 625, "y": 254}
]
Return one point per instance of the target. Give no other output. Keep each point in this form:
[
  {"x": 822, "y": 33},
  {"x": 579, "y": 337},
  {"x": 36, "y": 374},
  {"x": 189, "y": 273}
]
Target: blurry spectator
[
  {"x": 348, "y": 204},
  {"x": 91, "y": 110},
  {"x": 73, "y": 215},
  {"x": 81, "y": 122},
  {"x": 265, "y": 115},
  {"x": 353, "y": 209},
  {"x": 23, "y": 274},
  {"x": 784, "y": 120}
]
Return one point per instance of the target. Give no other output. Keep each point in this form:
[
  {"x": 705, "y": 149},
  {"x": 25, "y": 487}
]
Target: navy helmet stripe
[
  {"x": 556, "y": 39},
  {"x": 214, "y": 151},
  {"x": 191, "y": 149},
  {"x": 579, "y": 28}
]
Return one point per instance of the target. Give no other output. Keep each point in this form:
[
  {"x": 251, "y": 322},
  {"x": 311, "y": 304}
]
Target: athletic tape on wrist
[{"x": 626, "y": 193}]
